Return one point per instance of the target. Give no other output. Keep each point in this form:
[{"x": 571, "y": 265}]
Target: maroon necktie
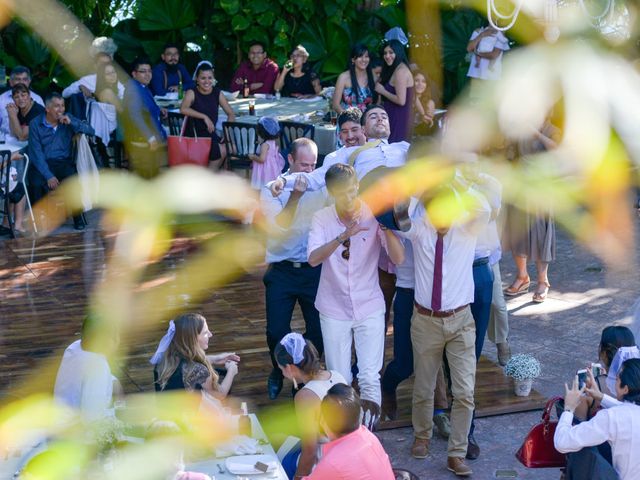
[{"x": 436, "y": 292}]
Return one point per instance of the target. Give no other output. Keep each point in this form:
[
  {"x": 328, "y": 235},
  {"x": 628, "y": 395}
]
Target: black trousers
[
  {"x": 38, "y": 187},
  {"x": 284, "y": 286}
]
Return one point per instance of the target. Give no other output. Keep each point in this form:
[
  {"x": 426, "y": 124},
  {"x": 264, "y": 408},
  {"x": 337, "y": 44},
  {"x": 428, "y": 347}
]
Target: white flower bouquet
[{"x": 523, "y": 366}]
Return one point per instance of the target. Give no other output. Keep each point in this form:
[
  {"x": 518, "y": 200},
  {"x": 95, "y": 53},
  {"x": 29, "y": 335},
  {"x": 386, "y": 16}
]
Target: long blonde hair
[{"x": 184, "y": 346}]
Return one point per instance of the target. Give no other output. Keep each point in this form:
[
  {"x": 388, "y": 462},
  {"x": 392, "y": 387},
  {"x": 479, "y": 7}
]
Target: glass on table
[{"x": 334, "y": 117}]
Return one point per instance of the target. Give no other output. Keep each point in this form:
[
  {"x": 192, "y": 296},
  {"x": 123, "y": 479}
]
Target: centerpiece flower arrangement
[{"x": 523, "y": 368}]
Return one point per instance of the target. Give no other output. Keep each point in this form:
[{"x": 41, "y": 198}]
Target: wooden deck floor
[{"x": 44, "y": 287}]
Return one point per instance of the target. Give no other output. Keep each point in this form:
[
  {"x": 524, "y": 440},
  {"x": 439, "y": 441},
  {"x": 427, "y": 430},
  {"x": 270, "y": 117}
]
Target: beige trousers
[
  {"x": 431, "y": 336},
  {"x": 498, "y": 329}
]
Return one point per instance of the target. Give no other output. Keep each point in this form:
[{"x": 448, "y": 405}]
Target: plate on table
[
  {"x": 245, "y": 464},
  {"x": 231, "y": 95}
]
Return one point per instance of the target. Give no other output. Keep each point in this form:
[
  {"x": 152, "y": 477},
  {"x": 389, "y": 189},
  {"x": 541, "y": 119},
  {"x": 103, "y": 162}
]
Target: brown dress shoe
[
  {"x": 457, "y": 466},
  {"x": 504, "y": 353},
  {"x": 420, "y": 448},
  {"x": 389, "y": 405}
]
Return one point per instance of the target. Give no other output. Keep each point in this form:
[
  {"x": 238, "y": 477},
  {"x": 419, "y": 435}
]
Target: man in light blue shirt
[{"x": 289, "y": 278}]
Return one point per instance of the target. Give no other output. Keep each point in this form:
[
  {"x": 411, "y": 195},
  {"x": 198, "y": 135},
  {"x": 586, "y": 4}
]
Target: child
[
  {"x": 424, "y": 104},
  {"x": 270, "y": 163}
]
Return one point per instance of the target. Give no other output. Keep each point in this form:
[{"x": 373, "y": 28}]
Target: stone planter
[{"x": 522, "y": 388}]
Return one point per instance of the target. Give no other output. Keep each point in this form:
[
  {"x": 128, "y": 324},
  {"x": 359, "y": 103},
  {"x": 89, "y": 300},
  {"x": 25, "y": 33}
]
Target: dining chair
[
  {"x": 174, "y": 119},
  {"x": 242, "y": 140},
  {"x": 26, "y": 191},
  {"x": 292, "y": 131}
]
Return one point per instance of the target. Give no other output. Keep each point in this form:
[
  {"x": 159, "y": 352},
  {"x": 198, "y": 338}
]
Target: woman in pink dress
[{"x": 269, "y": 163}]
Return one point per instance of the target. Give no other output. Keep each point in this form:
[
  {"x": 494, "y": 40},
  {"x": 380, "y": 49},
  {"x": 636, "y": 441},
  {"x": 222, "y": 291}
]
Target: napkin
[{"x": 239, "y": 445}]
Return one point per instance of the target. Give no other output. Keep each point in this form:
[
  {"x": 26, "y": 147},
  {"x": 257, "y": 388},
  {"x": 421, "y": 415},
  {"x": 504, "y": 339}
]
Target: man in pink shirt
[
  {"x": 353, "y": 452},
  {"x": 259, "y": 71},
  {"x": 347, "y": 239}
]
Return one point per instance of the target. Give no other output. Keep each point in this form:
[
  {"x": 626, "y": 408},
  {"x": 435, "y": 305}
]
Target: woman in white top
[
  {"x": 299, "y": 361},
  {"x": 618, "y": 423}
]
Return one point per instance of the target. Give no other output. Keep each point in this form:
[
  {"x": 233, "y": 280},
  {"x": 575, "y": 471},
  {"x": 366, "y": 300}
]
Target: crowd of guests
[{"x": 347, "y": 267}]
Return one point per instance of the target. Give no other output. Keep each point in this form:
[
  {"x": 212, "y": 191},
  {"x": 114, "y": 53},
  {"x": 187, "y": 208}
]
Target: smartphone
[
  {"x": 597, "y": 369},
  {"x": 582, "y": 377},
  {"x": 506, "y": 474}
]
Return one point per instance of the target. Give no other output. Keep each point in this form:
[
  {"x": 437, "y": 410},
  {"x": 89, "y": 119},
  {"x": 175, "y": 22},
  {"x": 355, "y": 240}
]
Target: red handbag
[
  {"x": 188, "y": 151},
  {"x": 537, "y": 450}
]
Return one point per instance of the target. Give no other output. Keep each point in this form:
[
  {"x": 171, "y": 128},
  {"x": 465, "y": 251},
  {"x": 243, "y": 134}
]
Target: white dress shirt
[
  {"x": 5, "y": 99},
  {"x": 619, "y": 425},
  {"x": 89, "y": 82},
  {"x": 84, "y": 382},
  {"x": 290, "y": 243},
  {"x": 457, "y": 257},
  {"x": 488, "y": 244},
  {"x": 384, "y": 155}
]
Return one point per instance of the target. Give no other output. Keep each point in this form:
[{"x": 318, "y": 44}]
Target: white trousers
[
  {"x": 498, "y": 329},
  {"x": 368, "y": 336}
]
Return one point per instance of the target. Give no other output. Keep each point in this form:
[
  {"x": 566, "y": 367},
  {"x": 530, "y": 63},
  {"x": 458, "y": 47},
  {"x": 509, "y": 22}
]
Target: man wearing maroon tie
[{"x": 442, "y": 320}]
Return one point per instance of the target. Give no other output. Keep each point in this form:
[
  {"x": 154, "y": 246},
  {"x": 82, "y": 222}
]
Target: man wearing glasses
[
  {"x": 259, "y": 71},
  {"x": 347, "y": 240}
]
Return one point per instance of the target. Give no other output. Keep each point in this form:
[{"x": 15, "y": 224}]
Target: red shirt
[
  {"x": 265, "y": 74},
  {"x": 356, "y": 456}
]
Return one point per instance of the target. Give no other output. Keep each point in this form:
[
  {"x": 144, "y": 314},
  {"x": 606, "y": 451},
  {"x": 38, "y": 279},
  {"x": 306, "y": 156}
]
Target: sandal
[
  {"x": 541, "y": 293},
  {"x": 520, "y": 285}
]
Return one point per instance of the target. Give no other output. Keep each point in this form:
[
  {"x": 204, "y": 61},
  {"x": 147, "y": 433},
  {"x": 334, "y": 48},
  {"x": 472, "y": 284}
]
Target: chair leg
[{"x": 33, "y": 219}]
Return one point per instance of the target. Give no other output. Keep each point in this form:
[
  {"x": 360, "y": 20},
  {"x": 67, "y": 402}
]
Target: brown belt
[{"x": 438, "y": 314}]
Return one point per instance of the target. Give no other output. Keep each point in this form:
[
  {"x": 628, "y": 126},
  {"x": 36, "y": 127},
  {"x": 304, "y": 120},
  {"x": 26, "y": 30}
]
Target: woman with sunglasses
[{"x": 347, "y": 240}]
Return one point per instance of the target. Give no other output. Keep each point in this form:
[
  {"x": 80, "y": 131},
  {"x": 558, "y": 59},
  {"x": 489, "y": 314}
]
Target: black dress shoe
[
  {"x": 274, "y": 384},
  {"x": 473, "y": 450}
]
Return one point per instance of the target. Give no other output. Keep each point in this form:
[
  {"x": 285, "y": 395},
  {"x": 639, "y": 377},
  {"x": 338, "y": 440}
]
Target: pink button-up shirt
[
  {"x": 356, "y": 456},
  {"x": 348, "y": 289}
]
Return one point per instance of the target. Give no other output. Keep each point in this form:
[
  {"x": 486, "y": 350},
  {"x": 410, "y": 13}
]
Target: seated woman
[
  {"x": 356, "y": 86},
  {"x": 299, "y": 361},
  {"x": 22, "y": 111},
  {"x": 617, "y": 344},
  {"x": 181, "y": 362},
  {"x": 201, "y": 105},
  {"x": 619, "y": 426},
  {"x": 297, "y": 79}
]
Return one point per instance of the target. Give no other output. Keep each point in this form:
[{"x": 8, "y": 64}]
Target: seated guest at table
[
  {"x": 145, "y": 138},
  {"x": 170, "y": 73},
  {"x": 347, "y": 239},
  {"x": 356, "y": 86},
  {"x": 353, "y": 452},
  {"x": 201, "y": 106},
  {"x": 619, "y": 425},
  {"x": 19, "y": 76},
  {"x": 180, "y": 362},
  {"x": 424, "y": 105},
  {"x": 103, "y": 114},
  {"x": 22, "y": 111},
  {"x": 102, "y": 50},
  {"x": 17, "y": 199},
  {"x": 259, "y": 71},
  {"x": 84, "y": 381},
  {"x": 50, "y": 150},
  {"x": 299, "y": 361},
  {"x": 269, "y": 164},
  {"x": 297, "y": 79}
]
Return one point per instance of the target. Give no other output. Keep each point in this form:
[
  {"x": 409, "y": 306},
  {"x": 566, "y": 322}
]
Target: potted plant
[{"x": 523, "y": 368}]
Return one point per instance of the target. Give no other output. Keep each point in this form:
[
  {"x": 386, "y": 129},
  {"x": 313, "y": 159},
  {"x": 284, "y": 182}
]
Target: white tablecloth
[{"x": 210, "y": 467}]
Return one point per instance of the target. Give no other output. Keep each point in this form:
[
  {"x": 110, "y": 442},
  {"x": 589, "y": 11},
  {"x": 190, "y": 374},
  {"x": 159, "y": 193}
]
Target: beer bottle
[
  {"x": 180, "y": 90},
  {"x": 245, "y": 89}
]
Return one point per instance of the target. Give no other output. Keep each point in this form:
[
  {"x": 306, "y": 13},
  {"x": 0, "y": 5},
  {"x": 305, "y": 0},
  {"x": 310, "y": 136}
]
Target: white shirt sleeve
[
  {"x": 317, "y": 237},
  {"x": 570, "y": 438}
]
